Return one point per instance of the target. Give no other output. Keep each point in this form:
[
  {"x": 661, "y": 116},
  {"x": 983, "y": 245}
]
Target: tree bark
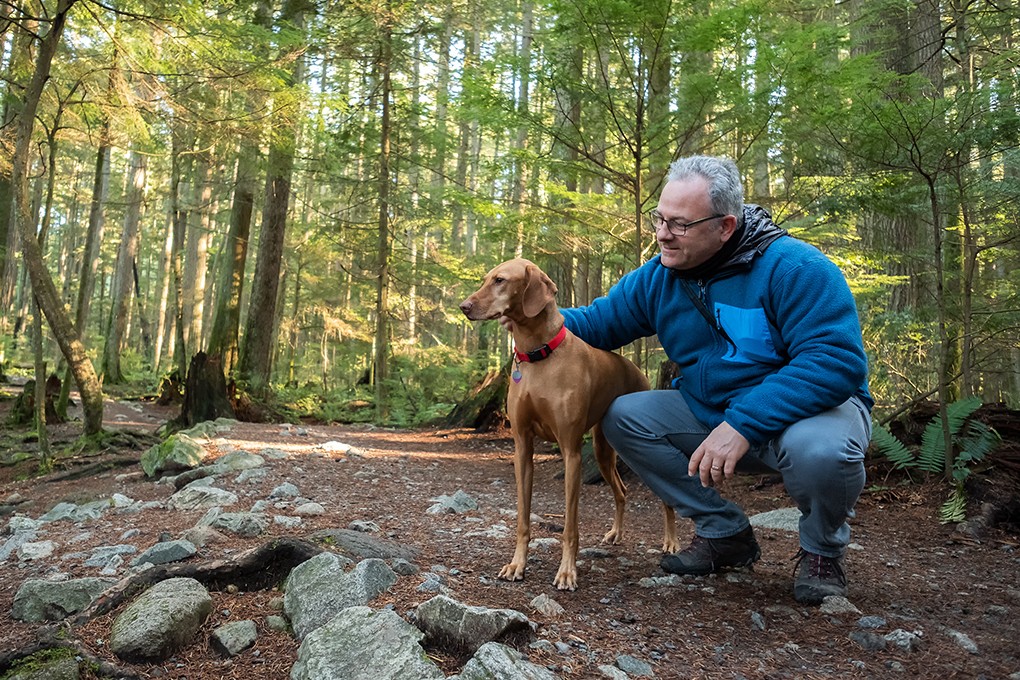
[
  {"x": 381, "y": 350},
  {"x": 124, "y": 275},
  {"x": 255, "y": 365},
  {"x": 46, "y": 292}
]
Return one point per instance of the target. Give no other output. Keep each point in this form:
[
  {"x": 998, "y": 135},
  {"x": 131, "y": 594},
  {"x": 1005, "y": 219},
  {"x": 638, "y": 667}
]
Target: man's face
[{"x": 686, "y": 201}]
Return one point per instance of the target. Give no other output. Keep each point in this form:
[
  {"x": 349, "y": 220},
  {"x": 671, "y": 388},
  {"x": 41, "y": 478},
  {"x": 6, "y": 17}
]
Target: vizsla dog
[{"x": 561, "y": 388}]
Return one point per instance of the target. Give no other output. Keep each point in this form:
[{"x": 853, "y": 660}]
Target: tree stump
[
  {"x": 205, "y": 392},
  {"x": 23, "y": 409},
  {"x": 485, "y": 407},
  {"x": 170, "y": 390}
]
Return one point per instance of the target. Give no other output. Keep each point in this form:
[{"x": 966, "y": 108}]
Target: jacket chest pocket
[{"x": 750, "y": 334}]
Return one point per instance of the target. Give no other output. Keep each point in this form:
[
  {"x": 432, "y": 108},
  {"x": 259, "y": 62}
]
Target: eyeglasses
[{"x": 675, "y": 226}]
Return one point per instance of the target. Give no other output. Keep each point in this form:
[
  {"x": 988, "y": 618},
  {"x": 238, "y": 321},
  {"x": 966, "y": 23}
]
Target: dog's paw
[
  {"x": 566, "y": 580},
  {"x": 670, "y": 545},
  {"x": 512, "y": 572},
  {"x": 613, "y": 536}
]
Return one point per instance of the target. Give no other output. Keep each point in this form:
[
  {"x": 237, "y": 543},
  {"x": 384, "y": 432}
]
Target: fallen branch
[{"x": 256, "y": 569}]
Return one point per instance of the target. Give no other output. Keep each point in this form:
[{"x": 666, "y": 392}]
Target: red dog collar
[{"x": 542, "y": 352}]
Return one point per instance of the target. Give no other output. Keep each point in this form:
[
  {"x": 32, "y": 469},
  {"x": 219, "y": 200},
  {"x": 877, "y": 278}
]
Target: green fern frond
[
  {"x": 976, "y": 442},
  {"x": 891, "y": 447},
  {"x": 932, "y": 456},
  {"x": 955, "y": 508}
]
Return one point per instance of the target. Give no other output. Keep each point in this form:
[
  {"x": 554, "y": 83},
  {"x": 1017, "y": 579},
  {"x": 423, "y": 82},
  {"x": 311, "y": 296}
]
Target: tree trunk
[
  {"x": 205, "y": 392},
  {"x": 48, "y": 296},
  {"x": 226, "y": 320},
  {"x": 124, "y": 275},
  {"x": 255, "y": 365},
  {"x": 380, "y": 361}
]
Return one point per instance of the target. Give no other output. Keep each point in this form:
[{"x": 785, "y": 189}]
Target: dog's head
[{"x": 517, "y": 289}]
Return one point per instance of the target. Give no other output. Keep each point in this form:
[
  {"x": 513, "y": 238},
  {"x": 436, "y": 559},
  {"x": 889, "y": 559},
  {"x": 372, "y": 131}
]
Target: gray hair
[{"x": 725, "y": 189}]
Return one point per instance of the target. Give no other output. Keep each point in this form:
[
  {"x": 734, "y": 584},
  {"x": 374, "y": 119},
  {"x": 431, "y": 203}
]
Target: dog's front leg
[
  {"x": 524, "y": 473},
  {"x": 566, "y": 576}
]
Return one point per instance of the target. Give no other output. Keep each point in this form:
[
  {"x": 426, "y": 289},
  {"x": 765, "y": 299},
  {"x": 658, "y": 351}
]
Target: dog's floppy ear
[{"x": 539, "y": 290}]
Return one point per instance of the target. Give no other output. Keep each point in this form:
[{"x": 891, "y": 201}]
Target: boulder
[
  {"x": 39, "y": 600},
  {"x": 363, "y": 644},
  {"x": 447, "y": 621},
  {"x": 162, "y": 620},
  {"x": 167, "y": 551},
  {"x": 179, "y": 452},
  {"x": 319, "y": 589},
  {"x": 232, "y": 638},
  {"x": 494, "y": 661},
  {"x": 195, "y": 496}
]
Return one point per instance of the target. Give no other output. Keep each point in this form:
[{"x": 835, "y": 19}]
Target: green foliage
[{"x": 972, "y": 441}]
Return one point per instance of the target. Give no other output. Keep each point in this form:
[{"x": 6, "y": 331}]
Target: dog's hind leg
[{"x": 605, "y": 456}]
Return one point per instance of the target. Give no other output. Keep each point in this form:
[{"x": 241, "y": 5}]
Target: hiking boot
[
  {"x": 708, "y": 555},
  {"x": 818, "y": 577}
]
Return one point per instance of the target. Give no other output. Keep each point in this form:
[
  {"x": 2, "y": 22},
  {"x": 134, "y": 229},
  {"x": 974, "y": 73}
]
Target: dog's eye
[{"x": 498, "y": 279}]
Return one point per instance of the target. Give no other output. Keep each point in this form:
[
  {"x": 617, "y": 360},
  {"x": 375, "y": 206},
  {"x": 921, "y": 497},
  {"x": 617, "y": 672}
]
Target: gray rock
[
  {"x": 165, "y": 552},
  {"x": 59, "y": 512},
  {"x": 36, "y": 551},
  {"x": 547, "y": 606},
  {"x": 239, "y": 460},
  {"x": 871, "y": 622},
  {"x": 178, "y": 452},
  {"x": 309, "y": 510},
  {"x": 103, "y": 554},
  {"x": 319, "y": 589},
  {"x": 357, "y": 545},
  {"x": 287, "y": 522},
  {"x": 784, "y": 519},
  {"x": 162, "y": 620},
  {"x": 906, "y": 640},
  {"x": 963, "y": 640},
  {"x": 869, "y": 641},
  {"x": 403, "y": 567},
  {"x": 443, "y": 618},
  {"x": 202, "y": 535},
  {"x": 494, "y": 661},
  {"x": 39, "y": 600},
  {"x": 836, "y": 604},
  {"x": 193, "y": 497},
  {"x": 285, "y": 490},
  {"x": 612, "y": 672},
  {"x": 65, "y": 668},
  {"x": 363, "y": 526},
  {"x": 634, "y": 667},
  {"x": 362, "y": 644},
  {"x": 277, "y": 623},
  {"x": 459, "y": 502},
  {"x": 19, "y": 523},
  {"x": 12, "y": 544},
  {"x": 251, "y": 476},
  {"x": 247, "y": 524},
  {"x": 232, "y": 638}
]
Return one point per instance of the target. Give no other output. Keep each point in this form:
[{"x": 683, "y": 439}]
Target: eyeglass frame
[{"x": 673, "y": 225}]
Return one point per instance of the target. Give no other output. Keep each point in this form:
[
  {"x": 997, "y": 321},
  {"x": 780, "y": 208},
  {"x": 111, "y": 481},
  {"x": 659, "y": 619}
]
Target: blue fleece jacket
[{"x": 790, "y": 345}]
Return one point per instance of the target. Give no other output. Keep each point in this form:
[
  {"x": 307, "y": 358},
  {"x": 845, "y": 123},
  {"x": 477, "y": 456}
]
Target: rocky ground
[{"x": 925, "y": 600}]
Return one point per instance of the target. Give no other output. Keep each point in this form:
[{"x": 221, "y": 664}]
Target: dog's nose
[{"x": 466, "y": 306}]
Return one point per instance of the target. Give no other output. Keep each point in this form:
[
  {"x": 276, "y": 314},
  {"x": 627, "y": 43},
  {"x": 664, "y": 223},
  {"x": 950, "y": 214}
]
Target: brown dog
[{"x": 561, "y": 388}]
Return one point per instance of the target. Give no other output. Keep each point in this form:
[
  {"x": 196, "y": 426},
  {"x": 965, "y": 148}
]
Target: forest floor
[{"x": 906, "y": 569}]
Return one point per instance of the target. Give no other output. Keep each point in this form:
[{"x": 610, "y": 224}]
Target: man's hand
[{"x": 716, "y": 458}]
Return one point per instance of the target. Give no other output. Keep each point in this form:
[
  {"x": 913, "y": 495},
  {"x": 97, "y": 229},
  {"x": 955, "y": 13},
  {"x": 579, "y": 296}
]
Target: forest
[{"x": 305, "y": 190}]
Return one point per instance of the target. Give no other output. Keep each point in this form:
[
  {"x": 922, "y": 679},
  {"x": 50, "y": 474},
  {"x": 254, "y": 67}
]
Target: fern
[
  {"x": 955, "y": 508},
  {"x": 932, "y": 456},
  {"x": 891, "y": 447}
]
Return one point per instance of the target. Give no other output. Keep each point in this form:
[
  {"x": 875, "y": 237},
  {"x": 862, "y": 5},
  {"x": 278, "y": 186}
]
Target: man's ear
[
  {"x": 539, "y": 290},
  {"x": 729, "y": 226}
]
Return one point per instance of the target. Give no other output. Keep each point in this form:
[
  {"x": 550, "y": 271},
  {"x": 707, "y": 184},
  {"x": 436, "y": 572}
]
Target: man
[{"x": 772, "y": 372}]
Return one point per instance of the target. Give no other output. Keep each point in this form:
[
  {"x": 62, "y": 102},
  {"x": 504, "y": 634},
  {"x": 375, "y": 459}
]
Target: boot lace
[{"x": 820, "y": 567}]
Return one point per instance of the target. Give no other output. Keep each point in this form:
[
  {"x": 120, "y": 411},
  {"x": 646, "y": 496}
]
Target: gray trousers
[{"x": 820, "y": 458}]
